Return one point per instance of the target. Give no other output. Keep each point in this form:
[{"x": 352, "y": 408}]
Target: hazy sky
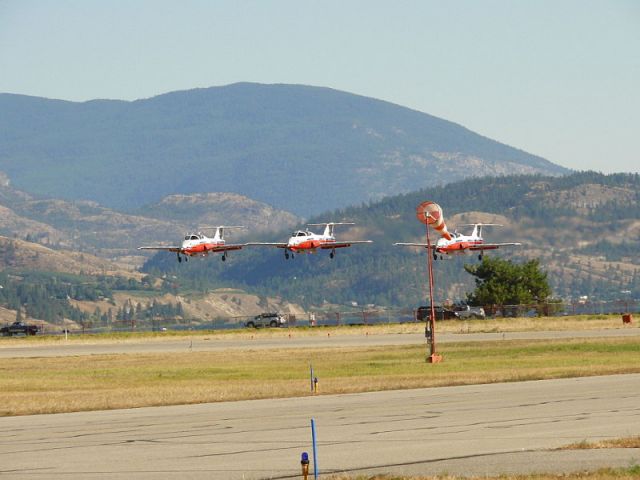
[{"x": 560, "y": 79}]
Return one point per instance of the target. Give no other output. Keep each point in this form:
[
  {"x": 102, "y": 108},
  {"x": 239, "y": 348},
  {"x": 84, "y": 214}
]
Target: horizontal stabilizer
[
  {"x": 480, "y": 225},
  {"x": 329, "y": 223},
  {"x": 221, "y": 226}
]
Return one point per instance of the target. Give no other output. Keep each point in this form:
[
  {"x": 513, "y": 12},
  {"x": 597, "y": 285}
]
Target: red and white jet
[
  {"x": 304, "y": 241},
  {"x": 198, "y": 244},
  {"x": 460, "y": 244}
]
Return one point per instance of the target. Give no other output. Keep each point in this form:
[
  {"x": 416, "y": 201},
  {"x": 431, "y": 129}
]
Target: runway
[
  {"x": 15, "y": 348},
  {"x": 471, "y": 430}
]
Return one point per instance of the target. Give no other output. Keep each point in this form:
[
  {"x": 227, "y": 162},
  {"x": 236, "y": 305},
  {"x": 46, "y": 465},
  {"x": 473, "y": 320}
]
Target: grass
[
  {"x": 630, "y": 473},
  {"x": 628, "y": 442},
  {"x": 583, "y": 322},
  {"x": 64, "y": 384}
]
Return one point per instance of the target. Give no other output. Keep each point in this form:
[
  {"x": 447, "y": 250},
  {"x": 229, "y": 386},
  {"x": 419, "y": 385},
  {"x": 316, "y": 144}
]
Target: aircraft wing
[
  {"x": 227, "y": 247},
  {"x": 162, "y": 247},
  {"x": 269, "y": 244},
  {"x": 493, "y": 246},
  {"x": 402, "y": 244},
  {"x": 332, "y": 245}
]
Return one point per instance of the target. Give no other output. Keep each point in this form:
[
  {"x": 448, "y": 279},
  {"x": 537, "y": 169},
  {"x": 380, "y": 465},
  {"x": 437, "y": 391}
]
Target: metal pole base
[{"x": 434, "y": 358}]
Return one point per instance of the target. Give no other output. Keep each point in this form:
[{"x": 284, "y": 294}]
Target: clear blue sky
[{"x": 560, "y": 79}]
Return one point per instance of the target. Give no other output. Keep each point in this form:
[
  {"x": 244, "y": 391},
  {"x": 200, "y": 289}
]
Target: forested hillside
[
  {"x": 584, "y": 227},
  {"x": 298, "y": 148}
]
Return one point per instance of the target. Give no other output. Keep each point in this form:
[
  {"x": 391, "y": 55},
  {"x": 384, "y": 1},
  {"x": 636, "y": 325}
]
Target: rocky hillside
[
  {"x": 88, "y": 227},
  {"x": 220, "y": 209},
  {"x": 75, "y": 263},
  {"x": 19, "y": 255}
]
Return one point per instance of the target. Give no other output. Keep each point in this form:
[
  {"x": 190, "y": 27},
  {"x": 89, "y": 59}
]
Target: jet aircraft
[
  {"x": 198, "y": 244},
  {"x": 460, "y": 244},
  {"x": 304, "y": 241}
]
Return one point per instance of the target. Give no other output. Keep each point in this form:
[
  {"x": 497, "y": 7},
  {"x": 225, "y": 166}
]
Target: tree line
[{"x": 48, "y": 296}]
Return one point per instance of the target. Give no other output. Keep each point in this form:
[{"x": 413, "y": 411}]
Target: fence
[{"x": 351, "y": 317}]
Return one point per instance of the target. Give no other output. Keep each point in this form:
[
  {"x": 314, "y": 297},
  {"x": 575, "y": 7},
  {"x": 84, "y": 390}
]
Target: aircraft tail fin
[
  {"x": 328, "y": 226},
  {"x": 219, "y": 235},
  {"x": 477, "y": 227}
]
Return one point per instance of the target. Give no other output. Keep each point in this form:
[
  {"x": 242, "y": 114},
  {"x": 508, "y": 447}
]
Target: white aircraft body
[
  {"x": 460, "y": 244},
  {"x": 304, "y": 241},
  {"x": 198, "y": 244}
]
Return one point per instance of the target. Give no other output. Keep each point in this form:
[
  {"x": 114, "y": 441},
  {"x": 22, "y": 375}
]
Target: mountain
[
  {"x": 584, "y": 228},
  {"x": 298, "y": 148}
]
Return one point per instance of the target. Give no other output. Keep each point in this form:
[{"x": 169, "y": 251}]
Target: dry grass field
[
  {"x": 631, "y": 473},
  {"x": 96, "y": 382}
]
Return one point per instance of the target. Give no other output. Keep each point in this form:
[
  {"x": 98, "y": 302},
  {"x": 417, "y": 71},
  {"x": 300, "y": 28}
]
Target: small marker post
[
  {"x": 311, "y": 377},
  {"x": 304, "y": 462}
]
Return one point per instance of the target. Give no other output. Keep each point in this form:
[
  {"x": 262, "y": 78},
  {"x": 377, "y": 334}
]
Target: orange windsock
[{"x": 430, "y": 213}]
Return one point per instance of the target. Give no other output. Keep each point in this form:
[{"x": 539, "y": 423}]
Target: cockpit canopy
[
  {"x": 299, "y": 233},
  {"x": 193, "y": 236}
]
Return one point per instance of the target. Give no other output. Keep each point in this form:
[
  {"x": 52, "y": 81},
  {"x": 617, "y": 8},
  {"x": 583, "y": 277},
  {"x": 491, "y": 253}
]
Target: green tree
[{"x": 502, "y": 282}]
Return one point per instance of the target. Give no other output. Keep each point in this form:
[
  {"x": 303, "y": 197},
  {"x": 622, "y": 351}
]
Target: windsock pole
[
  {"x": 430, "y": 213},
  {"x": 433, "y": 356}
]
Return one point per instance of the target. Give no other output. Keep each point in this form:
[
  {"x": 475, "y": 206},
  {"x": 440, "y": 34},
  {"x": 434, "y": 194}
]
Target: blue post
[{"x": 315, "y": 450}]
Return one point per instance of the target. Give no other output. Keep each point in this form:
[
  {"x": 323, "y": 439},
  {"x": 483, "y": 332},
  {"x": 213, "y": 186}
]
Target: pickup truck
[{"x": 19, "y": 328}]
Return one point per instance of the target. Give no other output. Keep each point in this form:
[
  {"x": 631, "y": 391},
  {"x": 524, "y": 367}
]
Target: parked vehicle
[
  {"x": 19, "y": 328},
  {"x": 423, "y": 313},
  {"x": 464, "y": 311},
  {"x": 267, "y": 320}
]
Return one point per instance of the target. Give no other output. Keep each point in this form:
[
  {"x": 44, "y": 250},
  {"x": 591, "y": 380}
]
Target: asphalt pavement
[
  {"x": 18, "y": 348},
  {"x": 470, "y": 430}
]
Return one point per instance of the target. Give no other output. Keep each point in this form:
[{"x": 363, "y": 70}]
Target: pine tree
[{"x": 502, "y": 282}]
